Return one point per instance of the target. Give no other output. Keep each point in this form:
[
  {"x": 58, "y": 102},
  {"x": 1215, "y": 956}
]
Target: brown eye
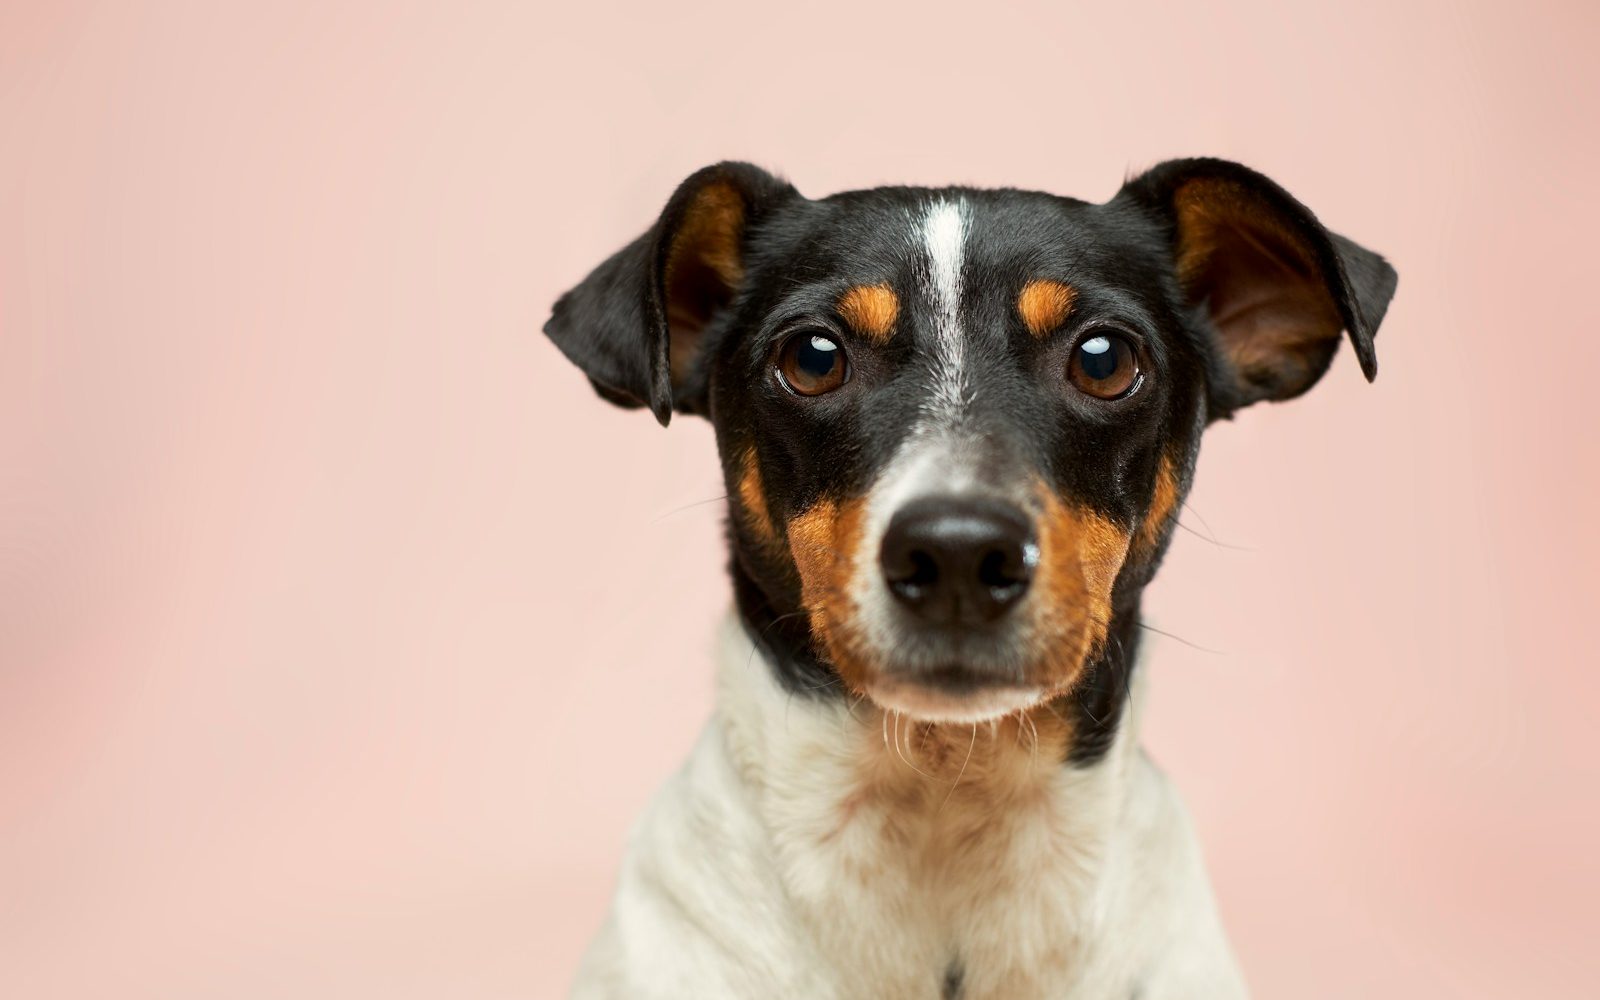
[
  {"x": 812, "y": 363},
  {"x": 1105, "y": 366}
]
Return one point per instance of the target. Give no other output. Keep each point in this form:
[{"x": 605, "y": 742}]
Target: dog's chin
[{"x": 937, "y": 703}]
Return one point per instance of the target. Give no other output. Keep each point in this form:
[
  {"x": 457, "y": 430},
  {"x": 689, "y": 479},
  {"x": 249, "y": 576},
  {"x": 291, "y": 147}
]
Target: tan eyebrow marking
[
  {"x": 1045, "y": 304},
  {"x": 871, "y": 311}
]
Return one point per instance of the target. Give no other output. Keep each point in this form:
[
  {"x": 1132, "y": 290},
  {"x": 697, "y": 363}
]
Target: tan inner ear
[
  {"x": 703, "y": 268},
  {"x": 1259, "y": 278}
]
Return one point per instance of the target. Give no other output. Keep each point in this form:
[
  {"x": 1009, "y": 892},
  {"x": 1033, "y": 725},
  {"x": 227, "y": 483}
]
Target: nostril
[
  {"x": 1006, "y": 572},
  {"x": 918, "y": 574}
]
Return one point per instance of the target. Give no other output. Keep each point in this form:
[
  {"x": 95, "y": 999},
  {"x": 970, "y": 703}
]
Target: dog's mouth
[
  {"x": 952, "y": 694},
  {"x": 968, "y": 677}
]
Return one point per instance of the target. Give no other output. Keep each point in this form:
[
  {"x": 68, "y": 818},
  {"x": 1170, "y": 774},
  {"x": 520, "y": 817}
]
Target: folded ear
[
  {"x": 635, "y": 324},
  {"x": 1277, "y": 286}
]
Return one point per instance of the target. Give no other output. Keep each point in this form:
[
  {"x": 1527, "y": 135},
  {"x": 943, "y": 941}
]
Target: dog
[{"x": 956, "y": 426}]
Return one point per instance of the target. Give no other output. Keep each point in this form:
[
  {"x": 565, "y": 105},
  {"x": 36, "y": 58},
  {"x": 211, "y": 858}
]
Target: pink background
[{"x": 342, "y": 632}]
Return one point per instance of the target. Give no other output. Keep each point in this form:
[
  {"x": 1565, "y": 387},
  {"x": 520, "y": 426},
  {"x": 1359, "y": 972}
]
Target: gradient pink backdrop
[{"x": 343, "y": 632}]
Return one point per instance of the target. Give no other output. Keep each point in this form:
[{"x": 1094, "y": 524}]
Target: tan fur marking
[
  {"x": 1080, "y": 554},
  {"x": 871, "y": 310},
  {"x": 994, "y": 767},
  {"x": 710, "y": 232},
  {"x": 1208, "y": 209},
  {"x": 1204, "y": 208},
  {"x": 939, "y": 749},
  {"x": 823, "y": 541},
  {"x": 1163, "y": 505},
  {"x": 931, "y": 792},
  {"x": 1211, "y": 212},
  {"x": 753, "y": 500},
  {"x": 705, "y": 253},
  {"x": 1045, "y": 304}
]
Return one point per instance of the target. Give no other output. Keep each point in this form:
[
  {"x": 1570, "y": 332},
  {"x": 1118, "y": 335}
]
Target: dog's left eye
[
  {"x": 1105, "y": 365},
  {"x": 812, "y": 363}
]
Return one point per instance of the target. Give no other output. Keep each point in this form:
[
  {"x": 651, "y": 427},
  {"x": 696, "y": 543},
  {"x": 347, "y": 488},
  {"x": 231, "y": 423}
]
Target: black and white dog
[{"x": 955, "y": 426}]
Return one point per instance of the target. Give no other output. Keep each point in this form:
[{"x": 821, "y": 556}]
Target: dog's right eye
[{"x": 811, "y": 363}]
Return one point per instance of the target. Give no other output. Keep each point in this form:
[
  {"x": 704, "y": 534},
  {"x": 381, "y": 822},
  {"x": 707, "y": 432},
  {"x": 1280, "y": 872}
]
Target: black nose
[{"x": 958, "y": 560}]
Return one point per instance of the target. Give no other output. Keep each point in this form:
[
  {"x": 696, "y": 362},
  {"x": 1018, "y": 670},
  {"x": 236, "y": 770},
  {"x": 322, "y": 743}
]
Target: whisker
[
  {"x": 901, "y": 753},
  {"x": 688, "y": 506},
  {"x": 1208, "y": 534},
  {"x": 1033, "y": 763},
  {"x": 764, "y": 630},
  {"x": 850, "y": 706},
  {"x": 754, "y": 646},
  {"x": 1125, "y": 666},
  {"x": 964, "y": 762},
  {"x": 1179, "y": 638},
  {"x": 1092, "y": 717}
]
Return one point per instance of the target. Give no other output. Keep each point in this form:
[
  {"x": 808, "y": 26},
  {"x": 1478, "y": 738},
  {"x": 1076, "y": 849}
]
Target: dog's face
[{"x": 957, "y": 425}]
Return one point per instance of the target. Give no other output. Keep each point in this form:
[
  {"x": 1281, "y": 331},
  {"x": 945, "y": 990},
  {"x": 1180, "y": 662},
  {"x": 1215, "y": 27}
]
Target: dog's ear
[
  {"x": 635, "y": 323},
  {"x": 1277, "y": 286}
]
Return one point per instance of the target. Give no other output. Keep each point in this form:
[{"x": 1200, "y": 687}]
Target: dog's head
[{"x": 956, "y": 424}]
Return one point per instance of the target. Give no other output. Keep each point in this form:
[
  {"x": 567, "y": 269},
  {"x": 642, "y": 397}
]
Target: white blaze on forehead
[
  {"x": 944, "y": 237},
  {"x": 938, "y": 456}
]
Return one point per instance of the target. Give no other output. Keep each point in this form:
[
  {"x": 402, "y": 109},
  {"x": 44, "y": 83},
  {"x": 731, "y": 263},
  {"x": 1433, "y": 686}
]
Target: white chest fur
[{"x": 812, "y": 848}]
